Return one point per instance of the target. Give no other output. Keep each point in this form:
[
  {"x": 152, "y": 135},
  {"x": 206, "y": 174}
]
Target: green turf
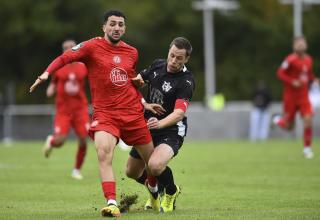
[{"x": 220, "y": 180}]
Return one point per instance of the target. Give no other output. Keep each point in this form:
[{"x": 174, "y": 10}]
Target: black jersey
[{"x": 165, "y": 88}]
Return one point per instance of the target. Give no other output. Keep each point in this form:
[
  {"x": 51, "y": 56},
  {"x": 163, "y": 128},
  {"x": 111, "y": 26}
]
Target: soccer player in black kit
[{"x": 171, "y": 85}]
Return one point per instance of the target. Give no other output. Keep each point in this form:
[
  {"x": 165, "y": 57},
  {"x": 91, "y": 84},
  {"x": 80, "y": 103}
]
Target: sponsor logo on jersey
[
  {"x": 77, "y": 47},
  {"x": 166, "y": 86},
  {"x": 71, "y": 86},
  {"x": 304, "y": 74},
  {"x": 116, "y": 59},
  {"x": 305, "y": 68},
  {"x": 118, "y": 76}
]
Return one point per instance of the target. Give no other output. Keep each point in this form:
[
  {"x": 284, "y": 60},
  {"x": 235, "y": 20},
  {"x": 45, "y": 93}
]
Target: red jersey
[
  {"x": 110, "y": 68},
  {"x": 70, "y": 87},
  {"x": 295, "y": 67}
]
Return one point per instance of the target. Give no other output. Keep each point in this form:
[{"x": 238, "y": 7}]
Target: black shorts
[{"x": 173, "y": 140}]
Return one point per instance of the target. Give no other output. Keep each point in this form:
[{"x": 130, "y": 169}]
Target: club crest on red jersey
[
  {"x": 118, "y": 76},
  {"x": 116, "y": 59}
]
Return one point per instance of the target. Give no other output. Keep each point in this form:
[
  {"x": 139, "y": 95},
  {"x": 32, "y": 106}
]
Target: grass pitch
[{"x": 219, "y": 180}]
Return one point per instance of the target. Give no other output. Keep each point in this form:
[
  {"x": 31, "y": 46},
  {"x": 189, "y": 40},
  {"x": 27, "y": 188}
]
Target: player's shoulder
[
  {"x": 95, "y": 41},
  {"x": 85, "y": 44},
  {"x": 80, "y": 64},
  {"x": 291, "y": 57},
  {"x": 159, "y": 63},
  {"x": 188, "y": 77},
  {"x": 308, "y": 57},
  {"x": 129, "y": 47}
]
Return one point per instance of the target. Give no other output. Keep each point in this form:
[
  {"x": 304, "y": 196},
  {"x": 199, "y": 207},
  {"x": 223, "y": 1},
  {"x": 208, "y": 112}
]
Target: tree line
[{"x": 251, "y": 42}]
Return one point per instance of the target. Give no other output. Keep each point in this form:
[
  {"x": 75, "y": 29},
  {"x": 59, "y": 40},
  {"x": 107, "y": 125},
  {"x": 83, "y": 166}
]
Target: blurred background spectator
[{"x": 260, "y": 116}]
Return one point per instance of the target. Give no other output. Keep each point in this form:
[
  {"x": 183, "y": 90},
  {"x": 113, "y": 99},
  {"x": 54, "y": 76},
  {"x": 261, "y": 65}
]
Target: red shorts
[
  {"x": 291, "y": 108},
  {"x": 131, "y": 128},
  {"x": 79, "y": 120}
]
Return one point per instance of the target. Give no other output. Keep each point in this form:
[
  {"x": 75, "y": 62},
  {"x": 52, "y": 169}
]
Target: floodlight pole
[
  {"x": 209, "y": 64},
  {"x": 207, "y": 7},
  {"x": 298, "y": 13},
  {"x": 297, "y": 16}
]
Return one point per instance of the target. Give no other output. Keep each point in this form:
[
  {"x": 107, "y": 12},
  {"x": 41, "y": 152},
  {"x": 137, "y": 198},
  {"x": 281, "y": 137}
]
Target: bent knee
[
  {"x": 156, "y": 167},
  {"x": 104, "y": 153},
  {"x": 130, "y": 173}
]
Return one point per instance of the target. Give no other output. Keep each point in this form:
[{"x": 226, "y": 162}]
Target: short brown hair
[
  {"x": 182, "y": 43},
  {"x": 113, "y": 13}
]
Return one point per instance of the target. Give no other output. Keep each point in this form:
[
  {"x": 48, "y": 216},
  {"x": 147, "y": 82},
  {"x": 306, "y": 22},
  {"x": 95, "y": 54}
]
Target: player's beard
[{"x": 112, "y": 40}]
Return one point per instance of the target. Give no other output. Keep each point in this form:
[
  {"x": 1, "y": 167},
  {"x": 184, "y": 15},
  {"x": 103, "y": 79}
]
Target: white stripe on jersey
[
  {"x": 184, "y": 68},
  {"x": 181, "y": 129}
]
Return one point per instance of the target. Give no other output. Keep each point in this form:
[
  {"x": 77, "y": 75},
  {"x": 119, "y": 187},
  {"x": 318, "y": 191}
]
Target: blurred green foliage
[{"x": 250, "y": 42}]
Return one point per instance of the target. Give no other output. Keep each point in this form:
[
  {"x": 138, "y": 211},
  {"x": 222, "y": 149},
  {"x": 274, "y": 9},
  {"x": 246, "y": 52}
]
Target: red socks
[
  {"x": 82, "y": 150},
  {"x": 54, "y": 144},
  {"x": 109, "y": 190},
  {"x": 307, "y": 137},
  {"x": 152, "y": 181},
  {"x": 282, "y": 123}
]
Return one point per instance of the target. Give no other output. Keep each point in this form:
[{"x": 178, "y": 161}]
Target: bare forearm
[{"x": 176, "y": 116}]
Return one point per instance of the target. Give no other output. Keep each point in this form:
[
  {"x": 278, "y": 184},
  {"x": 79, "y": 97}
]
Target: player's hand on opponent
[
  {"x": 153, "y": 123},
  {"x": 138, "y": 81},
  {"x": 296, "y": 83},
  {"x": 43, "y": 77},
  {"x": 154, "y": 108}
]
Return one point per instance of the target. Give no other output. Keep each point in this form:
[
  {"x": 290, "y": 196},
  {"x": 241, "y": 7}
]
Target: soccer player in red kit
[
  {"x": 68, "y": 83},
  {"x": 296, "y": 73},
  {"x": 117, "y": 107}
]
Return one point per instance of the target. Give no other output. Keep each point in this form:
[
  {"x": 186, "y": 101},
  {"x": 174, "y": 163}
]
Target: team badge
[
  {"x": 118, "y": 76},
  {"x": 116, "y": 59},
  {"x": 77, "y": 47},
  {"x": 166, "y": 86}
]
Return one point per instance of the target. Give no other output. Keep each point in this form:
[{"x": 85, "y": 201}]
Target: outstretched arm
[
  {"x": 43, "y": 77},
  {"x": 80, "y": 51}
]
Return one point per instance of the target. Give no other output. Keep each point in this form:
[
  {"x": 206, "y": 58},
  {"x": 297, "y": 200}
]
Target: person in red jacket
[
  {"x": 68, "y": 85},
  {"x": 296, "y": 74}
]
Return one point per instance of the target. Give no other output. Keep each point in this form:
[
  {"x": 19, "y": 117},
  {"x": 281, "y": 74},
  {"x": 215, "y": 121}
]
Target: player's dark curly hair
[
  {"x": 182, "y": 43},
  {"x": 113, "y": 13}
]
